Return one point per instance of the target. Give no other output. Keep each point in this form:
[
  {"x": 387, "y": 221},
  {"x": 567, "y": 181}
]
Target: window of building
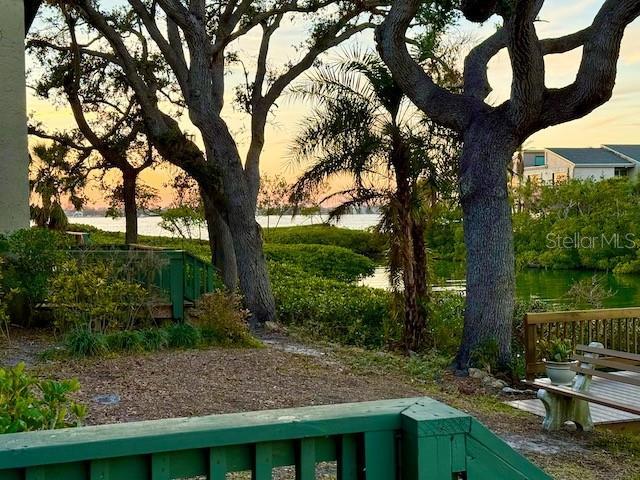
[
  {"x": 538, "y": 161},
  {"x": 621, "y": 171}
]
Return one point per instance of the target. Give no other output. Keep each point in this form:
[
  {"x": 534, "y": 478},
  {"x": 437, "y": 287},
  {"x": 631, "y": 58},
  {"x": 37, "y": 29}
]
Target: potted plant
[{"x": 558, "y": 362}]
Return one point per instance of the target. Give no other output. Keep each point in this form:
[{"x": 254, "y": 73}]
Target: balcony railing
[
  {"x": 409, "y": 439},
  {"x": 177, "y": 274},
  {"x": 615, "y": 328}
]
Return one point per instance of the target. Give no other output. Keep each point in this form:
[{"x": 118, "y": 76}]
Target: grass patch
[
  {"x": 183, "y": 335},
  {"x": 82, "y": 343}
]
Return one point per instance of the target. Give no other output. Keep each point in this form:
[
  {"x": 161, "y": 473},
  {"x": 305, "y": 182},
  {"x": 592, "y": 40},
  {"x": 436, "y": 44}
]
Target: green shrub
[
  {"x": 28, "y": 403},
  {"x": 29, "y": 260},
  {"x": 126, "y": 341},
  {"x": 327, "y": 261},
  {"x": 558, "y": 350},
  {"x": 335, "y": 310},
  {"x": 183, "y": 335},
  {"x": 154, "y": 339},
  {"x": 222, "y": 320},
  {"x": 84, "y": 343},
  {"x": 445, "y": 322},
  {"x": 485, "y": 355},
  {"x": 360, "y": 241},
  {"x": 92, "y": 297}
]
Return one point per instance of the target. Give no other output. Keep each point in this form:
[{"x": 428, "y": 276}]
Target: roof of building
[
  {"x": 631, "y": 151},
  {"x": 591, "y": 156}
]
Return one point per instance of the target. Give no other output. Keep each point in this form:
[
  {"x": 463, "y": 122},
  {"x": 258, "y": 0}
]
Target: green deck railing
[
  {"x": 178, "y": 274},
  {"x": 409, "y": 439}
]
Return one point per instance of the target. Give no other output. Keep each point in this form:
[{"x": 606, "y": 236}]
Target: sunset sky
[{"x": 617, "y": 122}]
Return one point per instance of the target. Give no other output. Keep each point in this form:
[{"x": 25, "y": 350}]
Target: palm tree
[{"x": 364, "y": 127}]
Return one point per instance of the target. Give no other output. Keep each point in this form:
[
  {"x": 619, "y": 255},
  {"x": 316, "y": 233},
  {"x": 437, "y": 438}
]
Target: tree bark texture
[
  {"x": 129, "y": 185},
  {"x": 247, "y": 238},
  {"x": 415, "y": 322},
  {"x": 488, "y": 237},
  {"x": 223, "y": 255}
]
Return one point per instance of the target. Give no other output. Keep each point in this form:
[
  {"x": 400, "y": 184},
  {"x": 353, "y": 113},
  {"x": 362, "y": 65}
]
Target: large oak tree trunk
[
  {"x": 252, "y": 268},
  {"x": 488, "y": 237},
  {"x": 223, "y": 255},
  {"x": 241, "y": 219},
  {"x": 129, "y": 183}
]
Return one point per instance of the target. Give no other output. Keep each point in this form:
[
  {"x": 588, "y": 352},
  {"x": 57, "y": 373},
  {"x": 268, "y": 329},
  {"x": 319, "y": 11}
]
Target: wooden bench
[{"x": 571, "y": 403}]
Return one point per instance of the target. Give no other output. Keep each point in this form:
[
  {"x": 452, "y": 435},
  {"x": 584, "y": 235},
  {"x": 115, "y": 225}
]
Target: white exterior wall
[
  {"x": 14, "y": 158},
  {"x": 554, "y": 165},
  {"x": 595, "y": 173}
]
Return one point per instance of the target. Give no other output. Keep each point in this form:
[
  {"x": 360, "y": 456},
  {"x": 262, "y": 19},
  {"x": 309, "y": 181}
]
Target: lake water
[
  {"x": 549, "y": 285},
  {"x": 151, "y": 225}
]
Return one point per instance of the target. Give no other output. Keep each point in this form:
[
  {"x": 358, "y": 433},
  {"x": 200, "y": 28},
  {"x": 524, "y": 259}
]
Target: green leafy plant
[
  {"x": 183, "y": 335},
  {"x": 485, "y": 356},
  {"x": 222, "y": 320},
  {"x": 327, "y": 261},
  {"x": 85, "y": 343},
  {"x": 559, "y": 351},
  {"x": 29, "y": 259},
  {"x": 126, "y": 341},
  {"x": 363, "y": 242},
  {"x": 92, "y": 297},
  {"x": 28, "y": 403},
  {"x": 334, "y": 310},
  {"x": 154, "y": 339}
]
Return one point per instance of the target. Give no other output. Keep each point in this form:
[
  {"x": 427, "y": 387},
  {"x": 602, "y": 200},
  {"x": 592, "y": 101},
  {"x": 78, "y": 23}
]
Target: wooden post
[
  {"x": 530, "y": 346},
  {"x": 176, "y": 269},
  {"x": 14, "y": 156}
]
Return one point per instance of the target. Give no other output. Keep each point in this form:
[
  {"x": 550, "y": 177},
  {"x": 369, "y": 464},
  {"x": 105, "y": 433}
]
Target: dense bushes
[
  {"x": 327, "y": 261},
  {"x": 28, "y": 403},
  {"x": 580, "y": 224},
  {"x": 345, "y": 313},
  {"x": 28, "y": 259},
  {"x": 93, "y": 297},
  {"x": 218, "y": 319},
  {"x": 360, "y": 241},
  {"x": 222, "y": 320}
]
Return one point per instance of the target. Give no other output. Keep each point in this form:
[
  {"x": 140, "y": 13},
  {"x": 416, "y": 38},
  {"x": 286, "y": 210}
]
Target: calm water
[
  {"x": 151, "y": 225},
  {"x": 549, "y": 285}
]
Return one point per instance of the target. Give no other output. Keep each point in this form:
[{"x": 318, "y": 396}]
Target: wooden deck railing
[
  {"x": 409, "y": 439},
  {"x": 178, "y": 274},
  {"x": 616, "y": 328}
]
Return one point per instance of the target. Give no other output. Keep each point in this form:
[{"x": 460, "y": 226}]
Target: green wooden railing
[
  {"x": 177, "y": 274},
  {"x": 409, "y": 439}
]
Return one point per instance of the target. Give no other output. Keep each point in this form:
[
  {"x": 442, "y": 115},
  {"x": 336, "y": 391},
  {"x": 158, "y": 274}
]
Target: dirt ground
[{"x": 285, "y": 374}]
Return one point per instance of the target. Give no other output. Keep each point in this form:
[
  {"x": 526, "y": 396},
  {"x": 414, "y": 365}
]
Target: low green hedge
[
  {"x": 360, "y": 241},
  {"x": 331, "y": 309},
  {"x": 327, "y": 261}
]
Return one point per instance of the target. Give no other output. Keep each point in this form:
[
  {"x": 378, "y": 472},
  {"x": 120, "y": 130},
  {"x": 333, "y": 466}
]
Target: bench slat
[
  {"x": 568, "y": 392},
  {"x": 609, "y": 353},
  {"x": 607, "y": 362},
  {"x": 609, "y": 376}
]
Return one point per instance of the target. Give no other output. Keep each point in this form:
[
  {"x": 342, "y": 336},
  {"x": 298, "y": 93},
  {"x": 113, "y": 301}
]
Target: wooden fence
[
  {"x": 177, "y": 274},
  {"x": 615, "y": 328},
  {"x": 408, "y": 439}
]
